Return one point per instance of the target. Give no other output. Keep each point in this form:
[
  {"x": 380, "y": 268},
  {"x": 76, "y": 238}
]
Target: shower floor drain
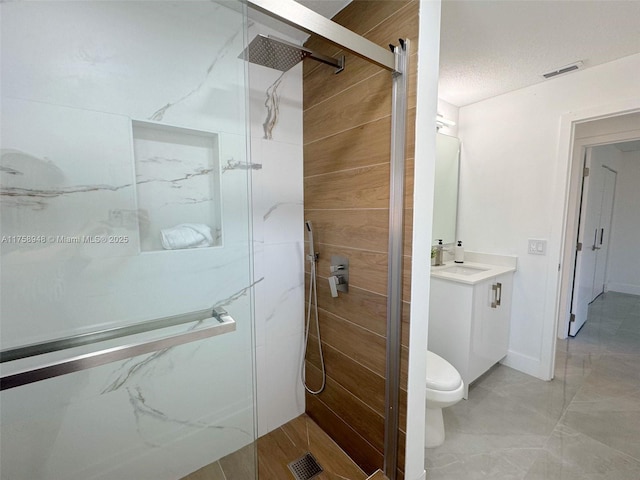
[{"x": 305, "y": 467}]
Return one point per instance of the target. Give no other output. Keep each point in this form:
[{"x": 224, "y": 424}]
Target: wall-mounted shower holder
[{"x": 339, "y": 279}]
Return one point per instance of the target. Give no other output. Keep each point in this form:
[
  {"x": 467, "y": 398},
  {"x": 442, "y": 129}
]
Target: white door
[
  {"x": 588, "y": 239},
  {"x": 606, "y": 214}
]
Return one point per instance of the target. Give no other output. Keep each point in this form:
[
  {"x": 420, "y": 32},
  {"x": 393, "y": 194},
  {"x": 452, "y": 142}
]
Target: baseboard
[
  {"x": 624, "y": 288},
  {"x": 523, "y": 363}
]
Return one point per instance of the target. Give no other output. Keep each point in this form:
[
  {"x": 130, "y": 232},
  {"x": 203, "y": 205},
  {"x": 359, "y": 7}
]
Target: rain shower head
[
  {"x": 279, "y": 54},
  {"x": 274, "y": 53}
]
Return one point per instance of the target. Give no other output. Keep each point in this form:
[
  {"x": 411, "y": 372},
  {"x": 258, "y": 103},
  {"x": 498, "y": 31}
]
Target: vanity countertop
[{"x": 472, "y": 272}]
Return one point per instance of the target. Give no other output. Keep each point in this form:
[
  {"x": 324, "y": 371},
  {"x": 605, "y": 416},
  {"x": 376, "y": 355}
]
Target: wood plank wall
[{"x": 347, "y": 123}]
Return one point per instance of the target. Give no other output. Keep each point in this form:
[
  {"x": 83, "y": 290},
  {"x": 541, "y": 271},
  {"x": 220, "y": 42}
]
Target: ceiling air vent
[{"x": 565, "y": 69}]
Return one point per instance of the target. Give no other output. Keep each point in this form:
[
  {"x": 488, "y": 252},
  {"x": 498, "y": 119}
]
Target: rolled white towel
[{"x": 186, "y": 235}]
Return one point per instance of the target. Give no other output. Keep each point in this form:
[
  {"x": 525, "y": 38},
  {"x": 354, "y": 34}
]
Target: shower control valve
[
  {"x": 339, "y": 279},
  {"x": 335, "y": 281}
]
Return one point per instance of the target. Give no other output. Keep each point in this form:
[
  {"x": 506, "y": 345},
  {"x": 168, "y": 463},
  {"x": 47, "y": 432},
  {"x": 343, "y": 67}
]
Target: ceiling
[{"x": 490, "y": 47}]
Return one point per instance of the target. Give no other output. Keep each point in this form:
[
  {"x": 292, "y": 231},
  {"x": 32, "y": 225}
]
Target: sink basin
[{"x": 462, "y": 270}]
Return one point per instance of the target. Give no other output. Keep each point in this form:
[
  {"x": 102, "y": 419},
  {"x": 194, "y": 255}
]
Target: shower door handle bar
[
  {"x": 202, "y": 329},
  {"x": 56, "y": 345}
]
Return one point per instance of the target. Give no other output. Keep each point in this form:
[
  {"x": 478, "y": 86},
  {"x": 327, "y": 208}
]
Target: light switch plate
[{"x": 537, "y": 246}]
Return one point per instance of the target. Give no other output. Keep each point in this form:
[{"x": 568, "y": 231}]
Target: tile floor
[
  {"x": 280, "y": 447},
  {"x": 583, "y": 425}
]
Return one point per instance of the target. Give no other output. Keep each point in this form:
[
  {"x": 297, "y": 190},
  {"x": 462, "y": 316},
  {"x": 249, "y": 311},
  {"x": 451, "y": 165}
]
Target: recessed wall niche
[{"x": 177, "y": 174}]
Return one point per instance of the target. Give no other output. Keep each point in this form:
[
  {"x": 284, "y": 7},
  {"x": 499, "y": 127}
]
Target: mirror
[{"x": 445, "y": 199}]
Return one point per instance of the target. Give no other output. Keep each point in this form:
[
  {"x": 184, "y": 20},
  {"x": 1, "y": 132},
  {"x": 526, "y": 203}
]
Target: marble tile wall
[{"x": 68, "y": 173}]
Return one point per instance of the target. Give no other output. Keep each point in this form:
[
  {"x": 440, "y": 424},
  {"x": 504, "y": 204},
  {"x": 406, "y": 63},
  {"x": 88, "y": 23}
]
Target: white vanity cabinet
[{"x": 469, "y": 323}]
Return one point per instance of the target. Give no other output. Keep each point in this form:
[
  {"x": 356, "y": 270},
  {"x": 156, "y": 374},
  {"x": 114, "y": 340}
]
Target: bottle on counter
[{"x": 458, "y": 253}]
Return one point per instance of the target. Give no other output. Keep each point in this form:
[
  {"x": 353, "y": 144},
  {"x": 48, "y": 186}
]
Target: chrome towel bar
[{"x": 218, "y": 322}]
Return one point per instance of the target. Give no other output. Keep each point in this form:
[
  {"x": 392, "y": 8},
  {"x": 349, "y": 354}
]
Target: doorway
[
  {"x": 589, "y": 136},
  {"x": 594, "y": 232}
]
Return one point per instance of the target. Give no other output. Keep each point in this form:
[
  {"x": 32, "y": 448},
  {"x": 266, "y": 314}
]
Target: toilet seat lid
[{"x": 441, "y": 375}]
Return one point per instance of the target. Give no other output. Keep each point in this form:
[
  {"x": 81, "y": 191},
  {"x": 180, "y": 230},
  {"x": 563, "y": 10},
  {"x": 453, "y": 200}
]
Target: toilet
[{"x": 444, "y": 388}]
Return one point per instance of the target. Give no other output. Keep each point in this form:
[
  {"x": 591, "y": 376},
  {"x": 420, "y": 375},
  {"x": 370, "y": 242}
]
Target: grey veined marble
[{"x": 583, "y": 425}]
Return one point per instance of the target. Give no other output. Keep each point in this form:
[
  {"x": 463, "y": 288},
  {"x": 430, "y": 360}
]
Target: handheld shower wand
[
  {"x": 313, "y": 300},
  {"x": 313, "y": 256}
]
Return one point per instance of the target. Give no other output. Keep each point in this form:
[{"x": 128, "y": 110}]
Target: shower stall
[{"x": 135, "y": 262}]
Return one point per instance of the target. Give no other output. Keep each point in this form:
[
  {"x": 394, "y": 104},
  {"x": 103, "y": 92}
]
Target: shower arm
[{"x": 338, "y": 63}]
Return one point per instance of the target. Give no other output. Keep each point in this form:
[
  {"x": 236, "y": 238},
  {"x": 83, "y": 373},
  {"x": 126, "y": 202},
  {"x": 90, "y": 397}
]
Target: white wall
[
  {"x": 624, "y": 261},
  {"x": 449, "y": 112},
  {"x": 508, "y": 184}
]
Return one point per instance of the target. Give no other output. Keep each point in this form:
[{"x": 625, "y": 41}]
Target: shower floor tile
[{"x": 280, "y": 447}]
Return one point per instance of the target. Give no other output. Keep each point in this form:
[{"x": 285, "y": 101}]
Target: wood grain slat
[
  {"x": 360, "y": 18},
  {"x": 297, "y": 431},
  {"x": 330, "y": 455},
  {"x": 404, "y": 358},
  {"x": 335, "y": 190},
  {"x": 403, "y": 23},
  {"x": 353, "y": 377},
  {"x": 362, "y": 452},
  {"x": 275, "y": 451},
  {"x": 404, "y": 327},
  {"x": 323, "y": 83},
  {"x": 306, "y": 434},
  {"x": 406, "y": 277},
  {"x": 364, "y": 420},
  {"x": 363, "y": 346},
  {"x": 363, "y": 16},
  {"x": 359, "y": 229},
  {"x": 346, "y": 136},
  {"x": 402, "y": 441},
  {"x": 378, "y": 476},
  {"x": 240, "y": 464},
  {"x": 402, "y": 411},
  {"x": 367, "y": 270},
  {"x": 362, "y": 103},
  {"x": 362, "y": 307},
  {"x": 412, "y": 84},
  {"x": 367, "y": 144}
]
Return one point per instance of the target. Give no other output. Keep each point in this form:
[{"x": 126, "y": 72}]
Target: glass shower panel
[{"x": 124, "y": 220}]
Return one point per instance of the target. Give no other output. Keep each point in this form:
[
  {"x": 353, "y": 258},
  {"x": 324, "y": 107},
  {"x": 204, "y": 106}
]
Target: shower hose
[{"x": 313, "y": 300}]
